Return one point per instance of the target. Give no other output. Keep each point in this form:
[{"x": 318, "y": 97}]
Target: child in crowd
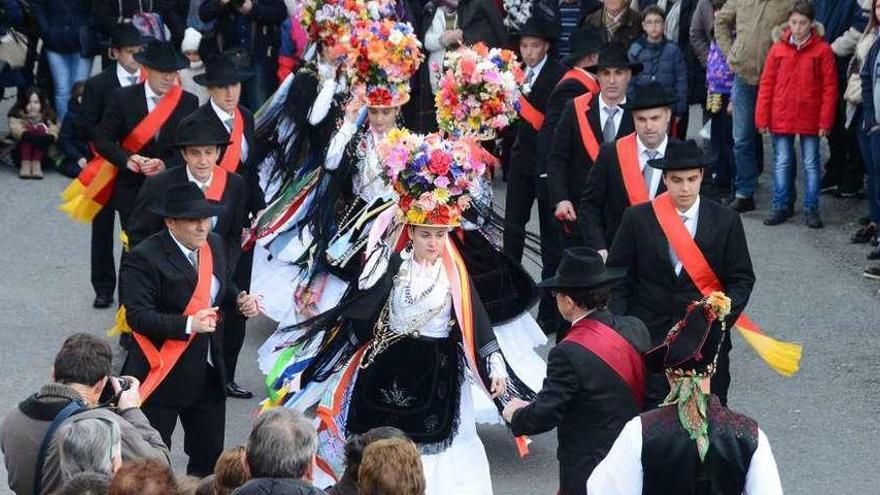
[
  {"x": 33, "y": 127},
  {"x": 797, "y": 96},
  {"x": 190, "y": 49},
  {"x": 74, "y": 149},
  {"x": 662, "y": 61}
]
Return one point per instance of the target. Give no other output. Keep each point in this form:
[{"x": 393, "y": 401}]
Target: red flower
[
  {"x": 379, "y": 96},
  {"x": 439, "y": 215},
  {"x": 439, "y": 163}
]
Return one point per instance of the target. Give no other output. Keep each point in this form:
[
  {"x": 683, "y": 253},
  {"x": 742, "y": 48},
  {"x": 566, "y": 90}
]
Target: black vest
[{"x": 672, "y": 465}]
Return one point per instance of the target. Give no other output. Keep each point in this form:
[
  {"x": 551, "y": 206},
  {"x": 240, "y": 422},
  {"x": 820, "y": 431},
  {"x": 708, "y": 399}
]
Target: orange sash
[
  {"x": 784, "y": 357},
  {"x": 532, "y": 115},
  {"x": 581, "y": 107},
  {"x": 162, "y": 360},
  {"x": 232, "y": 155},
  {"x": 582, "y": 77},
  {"x": 633, "y": 180},
  {"x": 218, "y": 184},
  {"x": 92, "y": 189}
]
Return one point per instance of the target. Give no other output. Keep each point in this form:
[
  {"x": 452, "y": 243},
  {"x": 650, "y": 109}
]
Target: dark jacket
[
  {"x": 480, "y": 20},
  {"x": 71, "y": 141},
  {"x": 248, "y": 168},
  {"x": 276, "y": 486},
  {"x": 702, "y": 30},
  {"x": 664, "y": 63},
  {"x": 604, "y": 199},
  {"x": 96, "y": 93},
  {"x": 585, "y": 400},
  {"x": 125, "y": 109},
  {"x": 258, "y": 32},
  {"x": 525, "y": 147},
  {"x": 569, "y": 163},
  {"x": 24, "y": 427},
  {"x": 564, "y": 91},
  {"x": 156, "y": 283},
  {"x": 230, "y": 222},
  {"x": 629, "y": 29},
  {"x": 106, "y": 13},
  {"x": 652, "y": 291},
  {"x": 868, "y": 76},
  {"x": 60, "y": 22}
]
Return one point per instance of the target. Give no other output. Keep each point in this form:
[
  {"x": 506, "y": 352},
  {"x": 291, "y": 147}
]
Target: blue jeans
[
  {"x": 67, "y": 68},
  {"x": 783, "y": 175},
  {"x": 869, "y": 144},
  {"x": 744, "y": 138}
]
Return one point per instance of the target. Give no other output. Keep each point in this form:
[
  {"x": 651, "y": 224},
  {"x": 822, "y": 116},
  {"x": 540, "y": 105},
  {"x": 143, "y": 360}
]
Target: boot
[
  {"x": 37, "y": 170},
  {"x": 25, "y": 171}
]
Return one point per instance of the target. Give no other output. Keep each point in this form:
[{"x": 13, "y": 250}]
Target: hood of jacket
[
  {"x": 782, "y": 32},
  {"x": 276, "y": 486}
]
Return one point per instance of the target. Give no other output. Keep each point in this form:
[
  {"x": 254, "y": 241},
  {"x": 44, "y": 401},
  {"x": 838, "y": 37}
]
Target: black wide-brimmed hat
[
  {"x": 222, "y": 71},
  {"x": 680, "y": 155},
  {"x": 584, "y": 41},
  {"x": 692, "y": 345},
  {"x": 127, "y": 35},
  {"x": 161, "y": 56},
  {"x": 539, "y": 26},
  {"x": 613, "y": 56},
  {"x": 198, "y": 131},
  {"x": 582, "y": 268},
  {"x": 186, "y": 201},
  {"x": 651, "y": 95}
]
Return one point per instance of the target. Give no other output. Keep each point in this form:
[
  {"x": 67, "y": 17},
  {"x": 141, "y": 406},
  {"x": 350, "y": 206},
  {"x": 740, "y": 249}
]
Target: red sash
[
  {"x": 532, "y": 115},
  {"x": 633, "y": 180},
  {"x": 92, "y": 189},
  {"x": 232, "y": 155},
  {"x": 615, "y": 351},
  {"x": 162, "y": 360},
  {"x": 218, "y": 184},
  {"x": 582, "y": 77},
  {"x": 581, "y": 107},
  {"x": 783, "y": 357}
]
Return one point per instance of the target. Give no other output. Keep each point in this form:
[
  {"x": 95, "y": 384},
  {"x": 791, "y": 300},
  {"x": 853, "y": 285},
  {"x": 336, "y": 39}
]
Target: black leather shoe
[
  {"x": 864, "y": 234},
  {"x": 742, "y": 205},
  {"x": 103, "y": 301},
  {"x": 779, "y": 216},
  {"x": 233, "y": 390}
]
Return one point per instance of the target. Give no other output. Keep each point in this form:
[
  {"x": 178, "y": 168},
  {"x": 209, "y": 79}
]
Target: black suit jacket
[
  {"x": 585, "y": 400},
  {"x": 559, "y": 97},
  {"x": 569, "y": 163},
  {"x": 652, "y": 291},
  {"x": 230, "y": 222},
  {"x": 157, "y": 282},
  {"x": 96, "y": 93},
  {"x": 125, "y": 109},
  {"x": 604, "y": 199},
  {"x": 248, "y": 168},
  {"x": 525, "y": 147}
]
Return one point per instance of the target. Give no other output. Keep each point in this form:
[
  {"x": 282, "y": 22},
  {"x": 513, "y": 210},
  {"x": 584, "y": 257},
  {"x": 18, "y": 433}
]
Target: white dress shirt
[
  {"x": 656, "y": 174},
  {"x": 215, "y": 284},
  {"x": 204, "y": 187},
  {"x": 125, "y": 79},
  {"x": 690, "y": 222},
  {"x": 228, "y": 120},
  {"x": 534, "y": 72},
  {"x": 152, "y": 97},
  {"x": 603, "y": 113}
]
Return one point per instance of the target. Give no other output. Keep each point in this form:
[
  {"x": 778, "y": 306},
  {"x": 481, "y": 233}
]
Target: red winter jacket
[{"x": 798, "y": 89}]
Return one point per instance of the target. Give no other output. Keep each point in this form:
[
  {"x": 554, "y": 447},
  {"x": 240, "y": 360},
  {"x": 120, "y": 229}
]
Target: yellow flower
[
  {"x": 415, "y": 215},
  {"x": 441, "y": 194},
  {"x": 720, "y": 304}
]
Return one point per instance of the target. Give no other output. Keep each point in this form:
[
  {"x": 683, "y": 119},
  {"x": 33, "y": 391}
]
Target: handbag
[
  {"x": 853, "y": 91},
  {"x": 13, "y": 48},
  {"x": 148, "y": 23}
]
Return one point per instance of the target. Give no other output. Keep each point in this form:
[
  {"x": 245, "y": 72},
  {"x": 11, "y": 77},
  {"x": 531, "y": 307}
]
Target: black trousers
[
  {"x": 521, "y": 195},
  {"x": 235, "y": 323},
  {"x": 203, "y": 421},
  {"x": 845, "y": 166},
  {"x": 103, "y": 263}
]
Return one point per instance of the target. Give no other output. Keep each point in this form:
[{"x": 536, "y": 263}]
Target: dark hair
[
  {"x": 390, "y": 466},
  {"x": 655, "y": 10},
  {"x": 354, "y": 448},
  {"x": 804, "y": 8},
  {"x": 86, "y": 484},
  {"x": 144, "y": 477},
  {"x": 77, "y": 90},
  {"x": 83, "y": 359},
  {"x": 19, "y": 110},
  {"x": 593, "y": 298},
  {"x": 874, "y": 20}
]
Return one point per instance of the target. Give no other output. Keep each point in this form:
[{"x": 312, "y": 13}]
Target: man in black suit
[
  {"x": 607, "y": 194},
  {"x": 657, "y": 288},
  {"x": 131, "y": 105},
  {"x": 595, "y": 376},
  {"x": 586, "y": 122},
  {"x": 173, "y": 283},
  {"x": 126, "y": 41},
  {"x": 223, "y": 78}
]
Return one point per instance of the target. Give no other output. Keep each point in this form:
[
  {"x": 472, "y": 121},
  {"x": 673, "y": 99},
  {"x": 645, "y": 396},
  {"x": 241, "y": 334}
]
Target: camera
[{"x": 109, "y": 396}]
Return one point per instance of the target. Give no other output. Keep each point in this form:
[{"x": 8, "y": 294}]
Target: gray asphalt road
[{"x": 822, "y": 423}]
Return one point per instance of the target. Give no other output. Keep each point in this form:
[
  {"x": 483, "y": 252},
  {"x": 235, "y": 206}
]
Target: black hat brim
[
  {"x": 610, "y": 275},
  {"x": 634, "y": 67},
  {"x": 202, "y": 209},
  {"x": 165, "y": 65},
  {"x": 203, "y": 142},
  {"x": 139, "y": 40},
  {"x": 672, "y": 165},
  {"x": 634, "y": 105},
  {"x": 203, "y": 80}
]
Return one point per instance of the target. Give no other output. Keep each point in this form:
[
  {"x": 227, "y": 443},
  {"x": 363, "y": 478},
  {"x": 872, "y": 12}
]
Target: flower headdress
[
  {"x": 329, "y": 21},
  {"x": 434, "y": 177},
  {"x": 479, "y": 91},
  {"x": 382, "y": 56}
]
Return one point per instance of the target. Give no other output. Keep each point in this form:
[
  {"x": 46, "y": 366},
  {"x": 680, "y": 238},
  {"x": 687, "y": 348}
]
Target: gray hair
[
  {"x": 88, "y": 445},
  {"x": 281, "y": 445}
]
